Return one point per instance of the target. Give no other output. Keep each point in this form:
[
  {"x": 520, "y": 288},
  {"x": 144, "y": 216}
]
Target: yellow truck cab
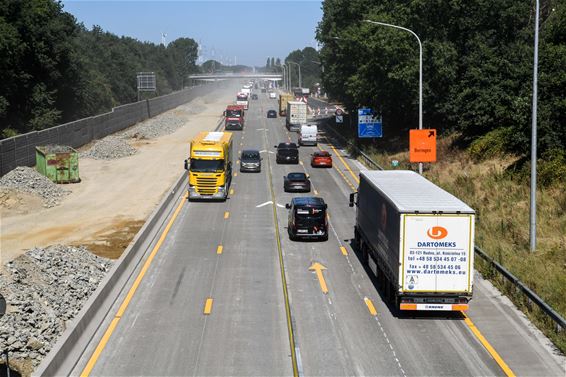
[{"x": 210, "y": 166}]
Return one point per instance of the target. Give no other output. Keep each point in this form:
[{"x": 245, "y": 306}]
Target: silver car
[{"x": 250, "y": 161}]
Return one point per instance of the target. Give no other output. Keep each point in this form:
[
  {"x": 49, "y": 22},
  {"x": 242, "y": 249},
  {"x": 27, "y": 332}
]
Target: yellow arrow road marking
[
  {"x": 343, "y": 250},
  {"x": 318, "y": 268},
  {"x": 208, "y": 306},
  {"x": 226, "y": 214},
  {"x": 370, "y": 306},
  {"x": 219, "y": 249},
  {"x": 231, "y": 191}
]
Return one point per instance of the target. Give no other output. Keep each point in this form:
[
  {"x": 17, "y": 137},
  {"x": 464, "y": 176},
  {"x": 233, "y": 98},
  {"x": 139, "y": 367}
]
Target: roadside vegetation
[
  {"x": 477, "y": 90},
  {"x": 54, "y": 69}
]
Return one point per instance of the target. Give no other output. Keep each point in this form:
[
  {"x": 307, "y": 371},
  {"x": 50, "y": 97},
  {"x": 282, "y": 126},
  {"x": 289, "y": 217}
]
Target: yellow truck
[
  {"x": 210, "y": 166},
  {"x": 283, "y": 99}
]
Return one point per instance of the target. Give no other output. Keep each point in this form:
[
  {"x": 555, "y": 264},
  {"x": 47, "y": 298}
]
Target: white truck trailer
[
  {"x": 296, "y": 115},
  {"x": 417, "y": 239}
]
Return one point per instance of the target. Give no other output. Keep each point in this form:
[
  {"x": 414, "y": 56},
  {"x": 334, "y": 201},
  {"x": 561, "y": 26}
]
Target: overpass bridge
[{"x": 231, "y": 76}]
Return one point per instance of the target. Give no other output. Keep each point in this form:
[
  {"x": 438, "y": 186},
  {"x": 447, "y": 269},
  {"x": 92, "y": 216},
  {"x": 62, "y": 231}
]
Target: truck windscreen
[
  {"x": 206, "y": 166},
  {"x": 233, "y": 113}
]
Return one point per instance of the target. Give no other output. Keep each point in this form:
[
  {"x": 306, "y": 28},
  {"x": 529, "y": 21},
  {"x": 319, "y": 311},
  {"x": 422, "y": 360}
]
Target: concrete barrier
[
  {"x": 20, "y": 150},
  {"x": 71, "y": 345}
]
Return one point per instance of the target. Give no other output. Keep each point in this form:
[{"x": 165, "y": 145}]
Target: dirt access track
[{"x": 106, "y": 209}]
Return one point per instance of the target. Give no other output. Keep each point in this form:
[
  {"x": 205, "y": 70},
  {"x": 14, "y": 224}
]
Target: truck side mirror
[
  {"x": 326, "y": 206},
  {"x": 186, "y": 165},
  {"x": 352, "y": 199},
  {"x": 288, "y": 206},
  {"x": 224, "y": 113}
]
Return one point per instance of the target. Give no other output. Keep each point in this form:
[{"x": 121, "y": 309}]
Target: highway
[{"x": 225, "y": 292}]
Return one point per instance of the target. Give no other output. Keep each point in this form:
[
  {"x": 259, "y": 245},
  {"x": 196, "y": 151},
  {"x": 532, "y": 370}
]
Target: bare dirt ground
[{"x": 114, "y": 198}]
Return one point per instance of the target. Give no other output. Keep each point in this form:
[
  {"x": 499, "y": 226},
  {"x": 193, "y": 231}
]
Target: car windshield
[
  {"x": 234, "y": 113},
  {"x": 250, "y": 155},
  {"x": 209, "y": 166},
  {"x": 297, "y": 176}
]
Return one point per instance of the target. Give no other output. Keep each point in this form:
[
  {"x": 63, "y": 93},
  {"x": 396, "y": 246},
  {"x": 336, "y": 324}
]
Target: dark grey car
[
  {"x": 250, "y": 161},
  {"x": 296, "y": 182}
]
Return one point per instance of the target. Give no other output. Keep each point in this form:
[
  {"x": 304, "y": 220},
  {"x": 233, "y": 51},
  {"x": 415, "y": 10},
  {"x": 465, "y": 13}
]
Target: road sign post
[
  {"x": 422, "y": 145},
  {"x": 368, "y": 125}
]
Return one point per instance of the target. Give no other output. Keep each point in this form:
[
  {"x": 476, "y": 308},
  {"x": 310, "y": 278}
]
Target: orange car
[{"x": 321, "y": 159}]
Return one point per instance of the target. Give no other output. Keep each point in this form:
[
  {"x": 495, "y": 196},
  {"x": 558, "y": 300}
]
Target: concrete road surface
[{"x": 228, "y": 293}]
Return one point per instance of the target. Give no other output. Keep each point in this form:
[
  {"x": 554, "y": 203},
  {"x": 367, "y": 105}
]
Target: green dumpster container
[{"x": 58, "y": 163}]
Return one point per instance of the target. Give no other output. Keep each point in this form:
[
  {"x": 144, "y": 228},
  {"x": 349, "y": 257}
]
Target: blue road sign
[{"x": 368, "y": 126}]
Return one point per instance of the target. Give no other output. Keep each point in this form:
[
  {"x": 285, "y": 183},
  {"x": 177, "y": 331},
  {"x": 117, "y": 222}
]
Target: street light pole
[
  {"x": 300, "y": 80},
  {"x": 420, "y": 73},
  {"x": 283, "y": 69},
  {"x": 533, "y": 209}
]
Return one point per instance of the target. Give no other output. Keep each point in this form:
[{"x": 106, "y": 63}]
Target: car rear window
[{"x": 297, "y": 176}]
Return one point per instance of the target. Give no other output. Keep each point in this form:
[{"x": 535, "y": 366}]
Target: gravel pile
[
  {"x": 109, "y": 148},
  {"x": 162, "y": 124},
  {"x": 28, "y": 180},
  {"x": 165, "y": 123},
  {"x": 44, "y": 289}
]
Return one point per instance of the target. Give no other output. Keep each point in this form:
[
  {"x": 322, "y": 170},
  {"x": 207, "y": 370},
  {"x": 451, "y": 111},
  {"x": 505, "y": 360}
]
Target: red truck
[{"x": 234, "y": 117}]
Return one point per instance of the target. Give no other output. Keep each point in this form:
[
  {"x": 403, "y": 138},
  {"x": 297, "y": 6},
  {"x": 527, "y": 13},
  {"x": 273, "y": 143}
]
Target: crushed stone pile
[
  {"x": 165, "y": 123},
  {"x": 109, "y": 148},
  {"x": 44, "y": 289},
  {"x": 28, "y": 180}
]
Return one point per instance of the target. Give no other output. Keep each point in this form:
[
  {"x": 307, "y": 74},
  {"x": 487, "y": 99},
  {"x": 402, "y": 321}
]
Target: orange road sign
[{"x": 422, "y": 145}]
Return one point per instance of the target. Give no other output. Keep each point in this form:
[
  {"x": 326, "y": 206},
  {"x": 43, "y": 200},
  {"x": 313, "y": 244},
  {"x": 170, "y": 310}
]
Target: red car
[{"x": 321, "y": 159}]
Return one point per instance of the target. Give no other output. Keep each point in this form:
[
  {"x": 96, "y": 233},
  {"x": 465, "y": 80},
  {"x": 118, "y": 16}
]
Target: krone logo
[{"x": 437, "y": 232}]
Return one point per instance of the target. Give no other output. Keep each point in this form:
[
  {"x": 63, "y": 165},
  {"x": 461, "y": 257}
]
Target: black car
[
  {"x": 287, "y": 153},
  {"x": 250, "y": 161},
  {"x": 307, "y": 218},
  {"x": 271, "y": 114},
  {"x": 254, "y": 96},
  {"x": 296, "y": 182}
]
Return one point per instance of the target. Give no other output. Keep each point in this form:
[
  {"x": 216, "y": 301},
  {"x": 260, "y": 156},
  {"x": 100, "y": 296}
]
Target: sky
[{"x": 245, "y": 32}]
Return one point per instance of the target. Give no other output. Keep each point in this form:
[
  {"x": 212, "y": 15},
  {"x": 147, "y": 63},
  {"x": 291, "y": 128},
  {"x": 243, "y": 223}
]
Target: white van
[{"x": 308, "y": 134}]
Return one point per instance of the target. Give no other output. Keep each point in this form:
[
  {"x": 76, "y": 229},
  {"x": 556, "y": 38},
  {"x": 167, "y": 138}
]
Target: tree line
[
  {"x": 477, "y": 68},
  {"x": 54, "y": 69}
]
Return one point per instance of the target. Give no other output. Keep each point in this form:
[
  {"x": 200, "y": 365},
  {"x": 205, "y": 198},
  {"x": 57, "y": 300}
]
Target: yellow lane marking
[
  {"x": 301, "y": 162},
  {"x": 318, "y": 268},
  {"x": 231, "y": 191},
  {"x": 343, "y": 250},
  {"x": 370, "y": 306},
  {"x": 235, "y": 174},
  {"x": 315, "y": 192},
  {"x": 345, "y": 164},
  {"x": 219, "y": 249},
  {"x": 241, "y": 144},
  {"x": 508, "y": 372},
  {"x": 238, "y": 162},
  {"x": 108, "y": 333},
  {"x": 290, "y": 333},
  {"x": 226, "y": 215},
  {"x": 341, "y": 174},
  {"x": 208, "y": 306}
]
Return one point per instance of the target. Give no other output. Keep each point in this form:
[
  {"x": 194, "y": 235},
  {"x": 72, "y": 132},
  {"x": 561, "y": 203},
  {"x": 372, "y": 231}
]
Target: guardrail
[{"x": 531, "y": 297}]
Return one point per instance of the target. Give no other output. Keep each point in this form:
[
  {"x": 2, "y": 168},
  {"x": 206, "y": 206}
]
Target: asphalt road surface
[{"x": 228, "y": 293}]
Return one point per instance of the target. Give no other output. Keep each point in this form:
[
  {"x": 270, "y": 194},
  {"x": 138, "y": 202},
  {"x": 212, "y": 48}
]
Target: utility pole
[{"x": 533, "y": 209}]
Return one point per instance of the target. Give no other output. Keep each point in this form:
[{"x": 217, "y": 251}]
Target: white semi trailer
[{"x": 417, "y": 239}]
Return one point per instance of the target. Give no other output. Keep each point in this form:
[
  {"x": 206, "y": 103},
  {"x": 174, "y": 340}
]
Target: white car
[{"x": 272, "y": 95}]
